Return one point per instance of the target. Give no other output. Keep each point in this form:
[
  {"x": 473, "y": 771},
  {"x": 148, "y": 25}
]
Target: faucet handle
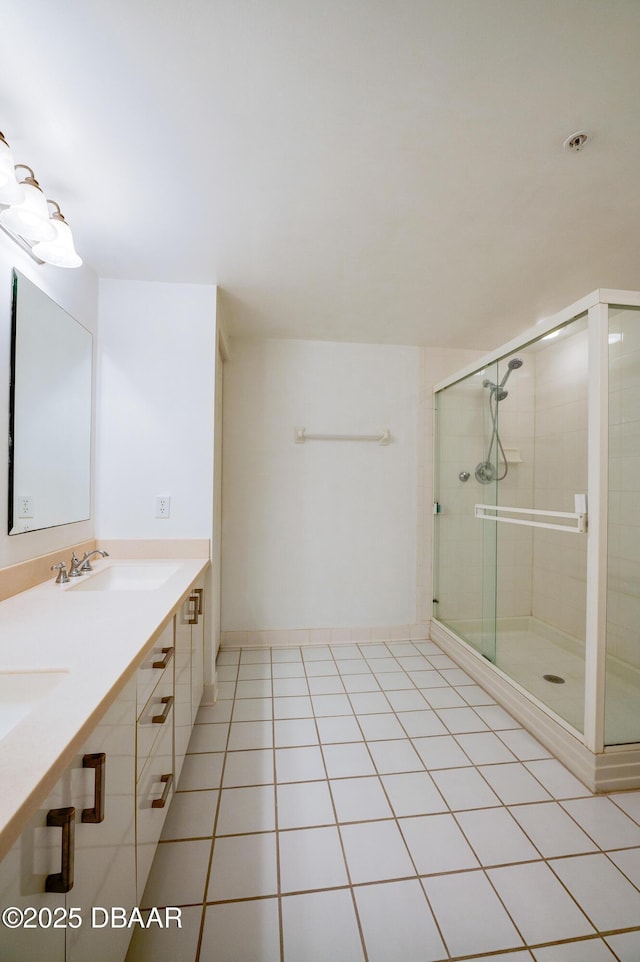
[
  {"x": 63, "y": 577},
  {"x": 75, "y": 566}
]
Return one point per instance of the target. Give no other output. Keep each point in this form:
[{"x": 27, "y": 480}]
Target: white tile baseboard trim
[{"x": 302, "y": 637}]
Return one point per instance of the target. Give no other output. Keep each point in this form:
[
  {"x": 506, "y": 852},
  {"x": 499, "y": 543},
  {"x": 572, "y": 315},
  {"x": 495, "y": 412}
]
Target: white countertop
[{"x": 98, "y": 638}]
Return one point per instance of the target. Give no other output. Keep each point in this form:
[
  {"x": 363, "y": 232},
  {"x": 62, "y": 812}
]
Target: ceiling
[{"x": 389, "y": 171}]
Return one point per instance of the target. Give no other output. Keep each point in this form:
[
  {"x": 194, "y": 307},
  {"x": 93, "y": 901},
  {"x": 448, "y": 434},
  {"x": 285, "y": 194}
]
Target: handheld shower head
[{"x": 513, "y": 365}]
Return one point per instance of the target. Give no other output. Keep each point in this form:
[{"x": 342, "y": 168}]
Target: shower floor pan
[{"x": 526, "y": 650}]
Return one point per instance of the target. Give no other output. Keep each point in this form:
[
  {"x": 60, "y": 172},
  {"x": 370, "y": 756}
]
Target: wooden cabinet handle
[
  {"x": 200, "y": 593},
  {"x": 195, "y": 614},
  {"x": 97, "y": 761},
  {"x": 167, "y": 701},
  {"x": 168, "y": 655},
  {"x": 198, "y": 606},
  {"x": 63, "y": 818},
  {"x": 162, "y": 801}
]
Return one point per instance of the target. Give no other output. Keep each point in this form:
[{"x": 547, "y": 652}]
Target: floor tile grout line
[
  {"x": 342, "y": 848},
  {"x": 213, "y": 840},
  {"x": 404, "y": 841},
  {"x": 484, "y": 869},
  {"x": 497, "y": 893},
  {"x": 586, "y": 831},
  {"x": 504, "y": 805},
  {"x": 277, "y": 822}
]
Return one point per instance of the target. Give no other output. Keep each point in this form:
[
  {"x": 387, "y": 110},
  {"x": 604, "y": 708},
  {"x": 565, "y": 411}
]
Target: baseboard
[{"x": 303, "y": 637}]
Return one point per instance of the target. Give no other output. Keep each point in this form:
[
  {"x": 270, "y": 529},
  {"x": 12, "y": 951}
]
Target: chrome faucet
[
  {"x": 85, "y": 564},
  {"x": 79, "y": 567},
  {"x": 74, "y": 571}
]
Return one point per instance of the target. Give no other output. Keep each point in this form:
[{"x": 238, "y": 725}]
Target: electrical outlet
[
  {"x": 163, "y": 506},
  {"x": 25, "y": 506}
]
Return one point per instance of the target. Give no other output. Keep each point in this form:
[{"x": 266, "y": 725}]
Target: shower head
[{"x": 513, "y": 365}]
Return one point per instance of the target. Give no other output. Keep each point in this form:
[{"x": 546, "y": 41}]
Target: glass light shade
[
  {"x": 10, "y": 191},
  {"x": 6, "y": 163},
  {"x": 30, "y": 219},
  {"x": 60, "y": 251}
]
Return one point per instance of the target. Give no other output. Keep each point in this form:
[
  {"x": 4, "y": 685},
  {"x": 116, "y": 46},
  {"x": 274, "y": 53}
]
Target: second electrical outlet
[{"x": 163, "y": 506}]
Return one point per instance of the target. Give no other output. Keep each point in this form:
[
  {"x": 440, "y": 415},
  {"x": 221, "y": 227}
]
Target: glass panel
[
  {"x": 465, "y": 547},
  {"x": 622, "y": 691},
  {"x": 541, "y": 574},
  {"x": 517, "y": 592}
]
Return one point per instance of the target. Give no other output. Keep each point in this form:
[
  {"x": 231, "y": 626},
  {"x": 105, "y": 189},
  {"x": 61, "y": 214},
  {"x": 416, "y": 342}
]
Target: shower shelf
[
  {"x": 579, "y": 517},
  {"x": 512, "y": 455}
]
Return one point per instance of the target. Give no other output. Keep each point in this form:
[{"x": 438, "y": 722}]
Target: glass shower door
[
  {"x": 465, "y": 562},
  {"x": 540, "y": 546},
  {"x": 622, "y": 687}
]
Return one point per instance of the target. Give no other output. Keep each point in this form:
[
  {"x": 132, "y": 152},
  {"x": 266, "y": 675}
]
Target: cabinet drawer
[
  {"x": 153, "y": 794},
  {"x": 149, "y": 673},
  {"x": 156, "y": 718}
]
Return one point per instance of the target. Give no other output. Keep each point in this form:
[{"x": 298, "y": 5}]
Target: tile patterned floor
[{"x": 370, "y": 803}]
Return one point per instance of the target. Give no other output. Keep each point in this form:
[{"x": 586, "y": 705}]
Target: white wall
[
  {"x": 321, "y": 534},
  {"x": 77, "y": 292},
  {"x": 156, "y": 375}
]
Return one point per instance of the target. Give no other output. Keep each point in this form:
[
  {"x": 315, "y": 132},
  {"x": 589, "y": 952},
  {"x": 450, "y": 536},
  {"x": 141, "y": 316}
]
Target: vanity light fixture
[
  {"x": 26, "y": 217},
  {"x": 58, "y": 251},
  {"x": 10, "y": 190},
  {"x": 30, "y": 217}
]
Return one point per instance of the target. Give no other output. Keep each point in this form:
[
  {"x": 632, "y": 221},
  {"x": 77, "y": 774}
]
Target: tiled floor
[{"x": 370, "y": 802}]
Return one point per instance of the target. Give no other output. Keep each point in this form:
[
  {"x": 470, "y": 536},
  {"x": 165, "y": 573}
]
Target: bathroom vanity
[{"x": 100, "y": 681}]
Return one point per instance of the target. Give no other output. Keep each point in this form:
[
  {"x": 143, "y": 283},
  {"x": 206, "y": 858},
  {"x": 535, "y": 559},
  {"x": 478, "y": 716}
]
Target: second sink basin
[{"x": 126, "y": 577}]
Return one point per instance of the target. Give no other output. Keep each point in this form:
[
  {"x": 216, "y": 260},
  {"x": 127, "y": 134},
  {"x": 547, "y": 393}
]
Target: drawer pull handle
[
  {"x": 168, "y": 655},
  {"x": 162, "y": 801},
  {"x": 199, "y": 592},
  {"x": 195, "y": 614},
  {"x": 167, "y": 701},
  {"x": 63, "y": 818},
  {"x": 97, "y": 761}
]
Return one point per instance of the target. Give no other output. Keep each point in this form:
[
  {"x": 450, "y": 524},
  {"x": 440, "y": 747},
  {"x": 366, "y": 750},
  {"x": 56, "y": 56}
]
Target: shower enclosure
[{"x": 537, "y": 532}]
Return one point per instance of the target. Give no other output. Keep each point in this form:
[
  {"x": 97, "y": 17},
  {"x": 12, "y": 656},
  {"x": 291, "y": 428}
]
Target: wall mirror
[{"x": 49, "y": 413}]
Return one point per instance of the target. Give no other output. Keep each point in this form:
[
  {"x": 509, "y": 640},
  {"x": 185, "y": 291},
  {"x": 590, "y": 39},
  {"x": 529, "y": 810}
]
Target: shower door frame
[{"x": 603, "y": 767}]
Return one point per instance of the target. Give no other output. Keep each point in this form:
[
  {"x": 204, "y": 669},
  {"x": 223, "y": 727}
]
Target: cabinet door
[
  {"x": 99, "y": 855},
  {"x": 36, "y": 855},
  {"x": 103, "y": 789}
]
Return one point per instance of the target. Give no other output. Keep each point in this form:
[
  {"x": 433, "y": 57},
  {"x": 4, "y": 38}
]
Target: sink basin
[
  {"x": 21, "y": 691},
  {"x": 126, "y": 577}
]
